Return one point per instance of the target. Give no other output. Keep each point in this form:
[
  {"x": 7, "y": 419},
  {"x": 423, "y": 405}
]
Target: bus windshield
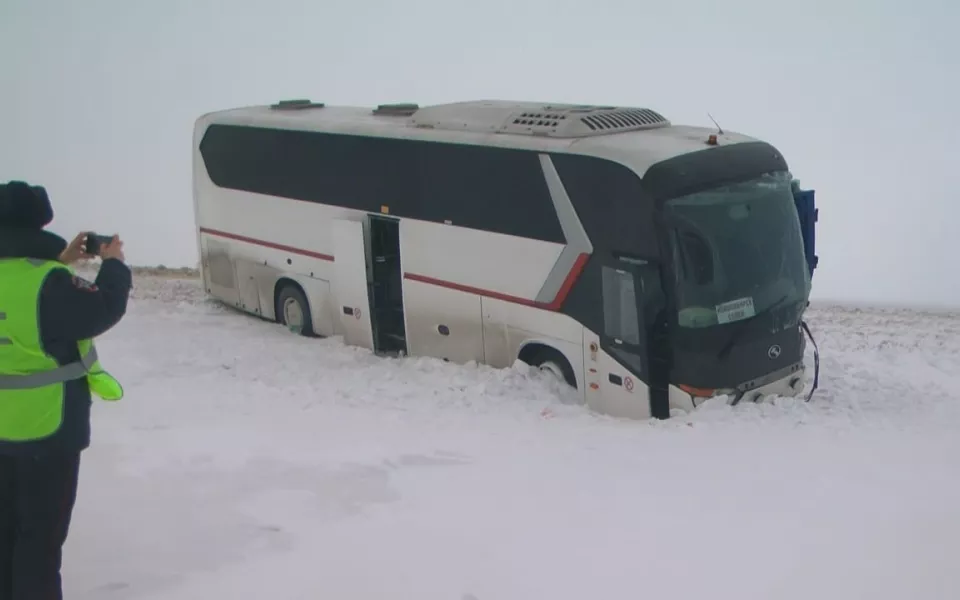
[{"x": 737, "y": 251}]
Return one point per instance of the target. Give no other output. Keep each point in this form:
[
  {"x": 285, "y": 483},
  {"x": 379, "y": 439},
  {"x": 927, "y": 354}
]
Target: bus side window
[{"x": 621, "y": 321}]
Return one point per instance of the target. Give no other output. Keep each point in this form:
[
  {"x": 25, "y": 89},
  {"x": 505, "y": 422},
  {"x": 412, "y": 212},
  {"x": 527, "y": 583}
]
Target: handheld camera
[{"x": 94, "y": 241}]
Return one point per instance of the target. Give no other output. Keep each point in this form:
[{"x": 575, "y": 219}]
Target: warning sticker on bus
[{"x": 735, "y": 310}]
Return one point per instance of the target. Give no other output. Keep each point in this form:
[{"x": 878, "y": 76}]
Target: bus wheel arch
[
  {"x": 291, "y": 307},
  {"x": 550, "y": 360}
]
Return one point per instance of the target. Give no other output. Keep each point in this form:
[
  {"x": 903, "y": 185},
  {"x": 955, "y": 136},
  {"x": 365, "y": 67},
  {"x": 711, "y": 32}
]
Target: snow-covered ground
[{"x": 246, "y": 462}]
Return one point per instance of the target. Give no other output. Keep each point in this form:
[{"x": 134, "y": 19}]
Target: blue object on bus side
[{"x": 808, "y": 213}]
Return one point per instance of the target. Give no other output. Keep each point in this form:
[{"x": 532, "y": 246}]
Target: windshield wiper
[{"x": 745, "y": 323}]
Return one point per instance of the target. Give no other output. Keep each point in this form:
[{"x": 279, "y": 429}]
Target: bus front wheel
[{"x": 549, "y": 360}]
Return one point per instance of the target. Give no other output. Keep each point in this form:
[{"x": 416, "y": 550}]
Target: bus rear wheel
[
  {"x": 293, "y": 310},
  {"x": 550, "y": 361}
]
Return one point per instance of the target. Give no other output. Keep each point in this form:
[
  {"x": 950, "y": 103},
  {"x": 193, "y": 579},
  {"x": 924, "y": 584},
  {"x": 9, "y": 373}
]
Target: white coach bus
[{"x": 648, "y": 265}]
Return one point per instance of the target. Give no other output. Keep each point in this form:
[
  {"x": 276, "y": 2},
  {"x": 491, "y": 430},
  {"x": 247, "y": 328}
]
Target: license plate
[{"x": 735, "y": 310}]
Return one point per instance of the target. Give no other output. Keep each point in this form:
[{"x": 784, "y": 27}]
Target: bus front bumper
[{"x": 788, "y": 381}]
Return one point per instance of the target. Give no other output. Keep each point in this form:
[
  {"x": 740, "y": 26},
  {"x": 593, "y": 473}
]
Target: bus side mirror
[{"x": 807, "y": 211}]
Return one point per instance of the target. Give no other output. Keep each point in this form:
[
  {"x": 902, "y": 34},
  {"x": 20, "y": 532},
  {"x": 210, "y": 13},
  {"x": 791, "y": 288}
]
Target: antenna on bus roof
[{"x": 719, "y": 129}]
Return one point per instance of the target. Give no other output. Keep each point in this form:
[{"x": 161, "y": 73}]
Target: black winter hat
[{"x": 24, "y": 206}]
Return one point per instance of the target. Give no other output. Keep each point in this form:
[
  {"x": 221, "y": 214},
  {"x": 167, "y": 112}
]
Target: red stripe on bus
[
  {"x": 469, "y": 289},
  {"x": 554, "y": 305},
  {"x": 266, "y": 244},
  {"x": 575, "y": 271}
]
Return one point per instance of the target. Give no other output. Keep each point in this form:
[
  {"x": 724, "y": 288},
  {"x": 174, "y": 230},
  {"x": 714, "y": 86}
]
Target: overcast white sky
[{"x": 99, "y": 97}]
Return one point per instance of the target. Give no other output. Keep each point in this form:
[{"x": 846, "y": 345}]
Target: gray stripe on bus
[{"x": 577, "y": 241}]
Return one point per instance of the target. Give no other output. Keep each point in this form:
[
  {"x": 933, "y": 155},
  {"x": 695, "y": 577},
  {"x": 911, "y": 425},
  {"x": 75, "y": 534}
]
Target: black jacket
[{"x": 70, "y": 310}]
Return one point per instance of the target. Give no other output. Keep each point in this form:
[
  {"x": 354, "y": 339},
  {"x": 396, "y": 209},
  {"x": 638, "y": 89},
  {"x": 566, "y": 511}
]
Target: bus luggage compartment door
[{"x": 350, "y": 283}]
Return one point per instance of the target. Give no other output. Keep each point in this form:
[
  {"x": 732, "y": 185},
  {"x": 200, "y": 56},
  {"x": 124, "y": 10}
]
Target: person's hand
[
  {"x": 114, "y": 249},
  {"x": 75, "y": 250}
]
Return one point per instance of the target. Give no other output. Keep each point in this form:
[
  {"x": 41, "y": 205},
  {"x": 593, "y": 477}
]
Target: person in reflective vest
[{"x": 49, "y": 373}]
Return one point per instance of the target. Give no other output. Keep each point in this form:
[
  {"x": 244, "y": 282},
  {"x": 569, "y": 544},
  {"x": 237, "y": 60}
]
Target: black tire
[
  {"x": 293, "y": 297},
  {"x": 547, "y": 358}
]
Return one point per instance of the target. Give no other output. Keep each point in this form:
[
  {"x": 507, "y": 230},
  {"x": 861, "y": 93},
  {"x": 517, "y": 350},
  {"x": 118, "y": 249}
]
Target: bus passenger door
[
  {"x": 350, "y": 283},
  {"x": 617, "y": 361}
]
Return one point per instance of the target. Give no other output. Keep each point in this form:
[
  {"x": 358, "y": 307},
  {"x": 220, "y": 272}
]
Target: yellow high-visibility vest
[{"x": 32, "y": 390}]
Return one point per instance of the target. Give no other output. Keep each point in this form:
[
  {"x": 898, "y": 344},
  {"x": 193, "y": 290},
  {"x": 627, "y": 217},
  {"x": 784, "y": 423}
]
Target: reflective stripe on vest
[{"x": 74, "y": 370}]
